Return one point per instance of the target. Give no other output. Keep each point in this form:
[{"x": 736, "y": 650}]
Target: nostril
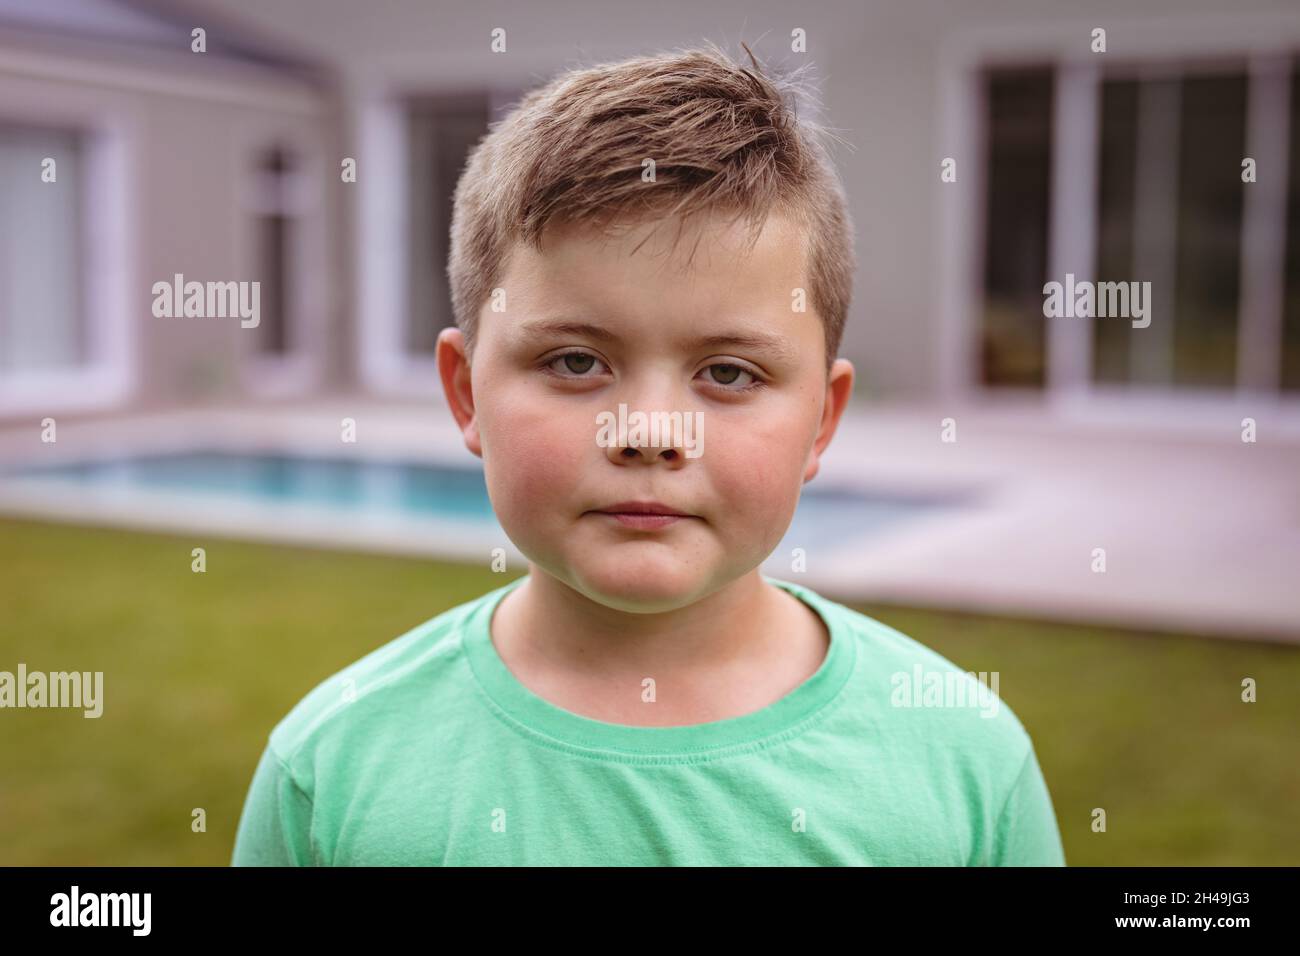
[{"x": 670, "y": 454}]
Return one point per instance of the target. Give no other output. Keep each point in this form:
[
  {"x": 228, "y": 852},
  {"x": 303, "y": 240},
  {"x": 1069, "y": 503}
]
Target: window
[
  {"x": 274, "y": 228},
  {"x": 1117, "y": 174},
  {"x": 1207, "y": 291},
  {"x": 1290, "y": 372},
  {"x": 284, "y": 226},
  {"x": 414, "y": 148},
  {"x": 1018, "y": 192},
  {"x": 440, "y": 133},
  {"x": 1170, "y": 212},
  {"x": 1171, "y": 208},
  {"x": 66, "y": 254},
  {"x": 42, "y": 260}
]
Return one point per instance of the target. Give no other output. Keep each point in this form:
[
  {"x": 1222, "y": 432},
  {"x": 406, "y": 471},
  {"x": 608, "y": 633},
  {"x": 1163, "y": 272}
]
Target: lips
[
  {"x": 642, "y": 508},
  {"x": 642, "y": 515}
]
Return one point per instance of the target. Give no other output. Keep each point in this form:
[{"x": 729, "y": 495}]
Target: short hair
[{"x": 723, "y": 138}]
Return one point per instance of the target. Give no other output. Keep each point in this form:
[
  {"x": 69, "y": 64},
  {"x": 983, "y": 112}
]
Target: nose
[
  {"x": 651, "y": 438},
  {"x": 629, "y": 454}
]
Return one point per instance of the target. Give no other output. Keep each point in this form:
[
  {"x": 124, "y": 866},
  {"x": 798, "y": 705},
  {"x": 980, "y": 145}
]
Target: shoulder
[
  {"x": 949, "y": 739},
  {"x": 924, "y": 697},
  {"x": 363, "y": 697}
]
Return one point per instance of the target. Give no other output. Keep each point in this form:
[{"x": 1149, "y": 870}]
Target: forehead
[{"x": 700, "y": 267}]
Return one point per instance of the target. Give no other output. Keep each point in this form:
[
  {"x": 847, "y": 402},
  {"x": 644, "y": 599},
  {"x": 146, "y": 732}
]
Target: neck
[
  {"x": 726, "y": 654},
  {"x": 545, "y": 619}
]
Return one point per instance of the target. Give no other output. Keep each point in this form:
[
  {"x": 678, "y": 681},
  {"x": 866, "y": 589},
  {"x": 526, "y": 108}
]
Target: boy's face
[{"x": 529, "y": 405}]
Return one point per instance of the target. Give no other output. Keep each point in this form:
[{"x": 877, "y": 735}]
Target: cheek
[
  {"x": 532, "y": 455},
  {"x": 758, "y": 468}
]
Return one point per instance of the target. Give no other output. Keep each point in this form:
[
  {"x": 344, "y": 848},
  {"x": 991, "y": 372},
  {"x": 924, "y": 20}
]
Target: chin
[{"x": 641, "y": 586}]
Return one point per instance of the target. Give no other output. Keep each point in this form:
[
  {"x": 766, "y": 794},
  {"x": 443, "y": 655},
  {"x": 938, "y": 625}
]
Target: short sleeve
[
  {"x": 1026, "y": 833},
  {"x": 275, "y": 827}
]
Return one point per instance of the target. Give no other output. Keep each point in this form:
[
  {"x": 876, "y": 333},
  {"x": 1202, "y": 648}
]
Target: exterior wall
[
  {"x": 897, "y": 81},
  {"x": 180, "y": 133}
]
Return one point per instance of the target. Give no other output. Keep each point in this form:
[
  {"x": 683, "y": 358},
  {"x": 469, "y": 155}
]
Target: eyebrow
[{"x": 768, "y": 343}]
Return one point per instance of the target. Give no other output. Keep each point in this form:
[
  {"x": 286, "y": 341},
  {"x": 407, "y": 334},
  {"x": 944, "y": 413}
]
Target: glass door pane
[
  {"x": 1290, "y": 357},
  {"x": 1013, "y": 331},
  {"x": 42, "y": 317},
  {"x": 1170, "y": 213},
  {"x": 1213, "y": 142}
]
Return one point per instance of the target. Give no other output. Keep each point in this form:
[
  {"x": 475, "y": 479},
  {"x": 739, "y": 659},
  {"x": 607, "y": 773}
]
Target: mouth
[{"x": 642, "y": 515}]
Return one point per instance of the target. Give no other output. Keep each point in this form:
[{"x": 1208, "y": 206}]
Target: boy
[{"x": 644, "y": 695}]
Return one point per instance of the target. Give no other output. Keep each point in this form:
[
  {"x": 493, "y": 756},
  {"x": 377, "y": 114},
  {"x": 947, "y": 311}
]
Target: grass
[{"x": 199, "y": 667}]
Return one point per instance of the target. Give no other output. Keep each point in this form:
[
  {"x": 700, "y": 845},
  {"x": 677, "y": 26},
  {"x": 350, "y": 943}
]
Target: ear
[
  {"x": 839, "y": 386},
  {"x": 454, "y": 370}
]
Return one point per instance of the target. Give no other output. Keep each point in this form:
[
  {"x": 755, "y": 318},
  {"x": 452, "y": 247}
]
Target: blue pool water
[{"x": 445, "y": 492}]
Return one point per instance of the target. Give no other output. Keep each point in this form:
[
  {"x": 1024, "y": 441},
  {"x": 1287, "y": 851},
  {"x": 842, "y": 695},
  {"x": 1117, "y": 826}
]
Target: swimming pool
[{"x": 389, "y": 490}]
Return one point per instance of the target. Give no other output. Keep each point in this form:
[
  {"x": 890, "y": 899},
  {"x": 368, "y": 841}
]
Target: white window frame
[
  {"x": 386, "y": 368},
  {"x": 1266, "y": 42},
  {"x": 109, "y": 377},
  {"x": 300, "y": 369}
]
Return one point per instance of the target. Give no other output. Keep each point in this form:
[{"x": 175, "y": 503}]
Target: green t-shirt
[{"x": 429, "y": 751}]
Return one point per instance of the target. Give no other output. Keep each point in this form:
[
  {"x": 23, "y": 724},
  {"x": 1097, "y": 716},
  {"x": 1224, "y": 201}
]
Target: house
[
  {"x": 997, "y": 146},
  {"x": 125, "y": 158},
  {"x": 1004, "y": 154}
]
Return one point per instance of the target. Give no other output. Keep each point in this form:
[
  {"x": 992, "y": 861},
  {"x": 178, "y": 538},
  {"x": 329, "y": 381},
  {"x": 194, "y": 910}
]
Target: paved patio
[{"x": 1201, "y": 531}]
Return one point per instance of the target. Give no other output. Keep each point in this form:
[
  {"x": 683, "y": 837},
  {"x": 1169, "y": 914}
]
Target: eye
[
  {"x": 575, "y": 364},
  {"x": 728, "y": 375}
]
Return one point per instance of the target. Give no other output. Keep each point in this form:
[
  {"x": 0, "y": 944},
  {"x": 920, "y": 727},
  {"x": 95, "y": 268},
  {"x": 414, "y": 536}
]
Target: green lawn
[{"x": 199, "y": 667}]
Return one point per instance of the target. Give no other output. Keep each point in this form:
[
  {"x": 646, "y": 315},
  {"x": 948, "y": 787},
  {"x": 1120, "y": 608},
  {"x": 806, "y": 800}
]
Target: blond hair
[{"x": 723, "y": 137}]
